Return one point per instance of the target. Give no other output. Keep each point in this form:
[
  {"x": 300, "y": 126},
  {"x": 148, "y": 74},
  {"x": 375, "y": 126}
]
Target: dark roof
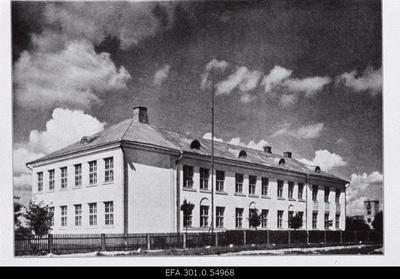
[{"x": 135, "y": 132}]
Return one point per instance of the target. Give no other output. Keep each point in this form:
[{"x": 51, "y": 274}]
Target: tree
[
  {"x": 356, "y": 223},
  {"x": 187, "y": 208},
  {"x": 296, "y": 221},
  {"x": 17, "y": 212},
  {"x": 377, "y": 224},
  {"x": 39, "y": 217},
  {"x": 254, "y": 219}
]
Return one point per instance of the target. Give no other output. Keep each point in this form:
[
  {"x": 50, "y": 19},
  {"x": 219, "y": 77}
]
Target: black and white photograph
[{"x": 197, "y": 129}]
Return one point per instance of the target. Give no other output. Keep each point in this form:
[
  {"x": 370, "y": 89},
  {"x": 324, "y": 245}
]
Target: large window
[
  {"x": 220, "y": 216},
  {"x": 301, "y": 189},
  {"x": 51, "y": 180},
  {"x": 264, "y": 186},
  {"x": 337, "y": 196},
  {"x": 187, "y": 177},
  {"x": 108, "y": 169},
  {"x": 290, "y": 216},
  {"x": 204, "y": 215},
  {"x": 314, "y": 192},
  {"x": 204, "y": 178},
  {"x": 63, "y": 216},
  {"x": 78, "y": 215},
  {"x": 290, "y": 189},
  {"x": 264, "y": 218},
  {"x": 239, "y": 217},
  {"x": 51, "y": 210},
  {"x": 252, "y": 184},
  {"x": 280, "y": 188},
  {"x": 280, "y": 219},
  {"x": 93, "y": 172},
  {"x": 64, "y": 178},
  {"x": 239, "y": 183},
  {"x": 93, "y": 214},
  {"x": 337, "y": 220},
  {"x": 301, "y": 215},
  {"x": 78, "y": 175},
  {"x": 220, "y": 180},
  {"x": 109, "y": 213},
  {"x": 314, "y": 220},
  {"x": 326, "y": 220},
  {"x": 40, "y": 181},
  {"x": 326, "y": 194}
]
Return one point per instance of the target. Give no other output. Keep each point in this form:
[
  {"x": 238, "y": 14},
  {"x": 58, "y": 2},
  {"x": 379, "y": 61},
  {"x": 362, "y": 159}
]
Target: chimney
[
  {"x": 287, "y": 154},
  {"x": 268, "y": 149},
  {"x": 140, "y": 115}
]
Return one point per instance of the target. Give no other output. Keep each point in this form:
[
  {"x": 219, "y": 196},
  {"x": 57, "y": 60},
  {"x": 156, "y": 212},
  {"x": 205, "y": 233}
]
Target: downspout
[
  {"x": 345, "y": 205},
  {"x": 307, "y": 183},
  {"x": 125, "y": 191},
  {"x": 178, "y": 194}
]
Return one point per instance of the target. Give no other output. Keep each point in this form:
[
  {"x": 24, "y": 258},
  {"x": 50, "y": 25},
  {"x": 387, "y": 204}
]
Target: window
[
  {"x": 220, "y": 216},
  {"x": 252, "y": 212},
  {"x": 290, "y": 189},
  {"x": 204, "y": 177},
  {"x": 51, "y": 180},
  {"x": 326, "y": 220},
  {"x": 337, "y": 196},
  {"x": 78, "y": 175},
  {"x": 51, "y": 210},
  {"x": 252, "y": 184},
  {"x": 109, "y": 170},
  {"x": 369, "y": 212},
  {"x": 239, "y": 183},
  {"x": 109, "y": 213},
  {"x": 93, "y": 172},
  {"x": 280, "y": 219},
  {"x": 239, "y": 217},
  {"x": 368, "y": 220},
  {"x": 187, "y": 176},
  {"x": 326, "y": 195},
  {"x": 301, "y": 215},
  {"x": 280, "y": 188},
  {"x": 40, "y": 181},
  {"x": 64, "y": 180},
  {"x": 314, "y": 192},
  {"x": 314, "y": 220},
  {"x": 290, "y": 216},
  {"x": 187, "y": 219},
  {"x": 78, "y": 215},
  {"x": 337, "y": 220},
  {"x": 301, "y": 189},
  {"x": 63, "y": 216},
  {"x": 204, "y": 215},
  {"x": 220, "y": 180},
  {"x": 264, "y": 186},
  {"x": 92, "y": 214},
  {"x": 264, "y": 218}
]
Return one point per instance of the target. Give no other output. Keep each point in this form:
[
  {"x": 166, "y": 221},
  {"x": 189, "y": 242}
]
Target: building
[
  {"x": 371, "y": 208},
  {"x": 134, "y": 177}
]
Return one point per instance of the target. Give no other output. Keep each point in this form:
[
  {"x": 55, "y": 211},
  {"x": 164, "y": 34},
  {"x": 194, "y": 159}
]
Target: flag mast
[{"x": 212, "y": 151}]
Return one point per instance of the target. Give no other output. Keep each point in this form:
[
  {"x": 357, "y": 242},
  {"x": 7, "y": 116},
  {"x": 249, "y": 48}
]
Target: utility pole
[{"x": 212, "y": 151}]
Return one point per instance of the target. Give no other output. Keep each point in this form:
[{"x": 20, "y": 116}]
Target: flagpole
[{"x": 212, "y": 151}]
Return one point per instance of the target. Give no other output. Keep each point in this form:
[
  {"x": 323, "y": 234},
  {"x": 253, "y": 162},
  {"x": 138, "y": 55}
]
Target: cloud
[
  {"x": 275, "y": 77},
  {"x": 237, "y": 141},
  {"x": 371, "y": 80},
  {"x": 243, "y": 78},
  {"x": 325, "y": 160},
  {"x": 212, "y": 65},
  {"x": 304, "y": 132},
  {"x": 208, "y": 136},
  {"x": 162, "y": 74},
  {"x": 288, "y": 100},
  {"x": 21, "y": 156},
  {"x": 363, "y": 187},
  {"x": 310, "y": 85},
  {"x": 75, "y": 75},
  {"x": 247, "y": 98}
]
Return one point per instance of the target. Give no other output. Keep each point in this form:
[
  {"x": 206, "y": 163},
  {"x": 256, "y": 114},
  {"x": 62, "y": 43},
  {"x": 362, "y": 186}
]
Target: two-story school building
[{"x": 134, "y": 177}]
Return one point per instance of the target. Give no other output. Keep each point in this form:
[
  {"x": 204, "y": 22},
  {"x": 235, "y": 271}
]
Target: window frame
[
  {"x": 78, "y": 175},
  {"x": 279, "y": 223},
  {"x": 109, "y": 213},
  {"x": 220, "y": 179},
  {"x": 337, "y": 195},
  {"x": 93, "y": 172},
  {"x": 326, "y": 221},
  {"x": 188, "y": 173},
  {"x": 300, "y": 192},
  {"x": 315, "y": 190},
  {"x": 64, "y": 177},
  {"x": 40, "y": 181},
  {"x": 337, "y": 220},
  {"x": 252, "y": 184},
  {"x": 264, "y": 186},
  {"x": 64, "y": 215},
  {"x": 52, "y": 210},
  {"x": 327, "y": 192},
  {"x": 204, "y": 178},
  {"x": 220, "y": 211},
  {"x": 92, "y": 214},
  {"x": 204, "y": 215},
  {"x": 239, "y": 217},
  {"x": 315, "y": 220},
  {"x": 290, "y": 189},
  {"x": 239, "y": 179},
  {"x": 78, "y": 215},
  {"x": 280, "y": 186},
  {"x": 264, "y": 218},
  {"x": 52, "y": 177},
  {"x": 109, "y": 169}
]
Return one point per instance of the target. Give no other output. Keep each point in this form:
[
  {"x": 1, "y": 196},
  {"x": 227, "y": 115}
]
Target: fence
[{"x": 65, "y": 244}]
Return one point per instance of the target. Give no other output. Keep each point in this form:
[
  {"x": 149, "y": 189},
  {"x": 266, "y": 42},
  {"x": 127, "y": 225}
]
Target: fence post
[
  {"x": 184, "y": 241},
  {"x": 244, "y": 238},
  {"x": 148, "y": 241},
  {"x": 289, "y": 237},
  {"x": 308, "y": 237},
  {"x": 216, "y": 239},
  {"x": 50, "y": 243},
  {"x": 103, "y": 242}
]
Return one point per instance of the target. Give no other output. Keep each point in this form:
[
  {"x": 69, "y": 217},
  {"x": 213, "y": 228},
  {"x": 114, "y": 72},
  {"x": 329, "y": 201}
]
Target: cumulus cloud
[
  {"x": 243, "y": 78},
  {"x": 237, "y": 141},
  {"x": 247, "y": 98},
  {"x": 275, "y": 78},
  {"x": 310, "y": 85},
  {"x": 162, "y": 74},
  {"x": 363, "y": 187},
  {"x": 325, "y": 160},
  {"x": 304, "y": 132},
  {"x": 288, "y": 100},
  {"x": 76, "y": 75},
  {"x": 370, "y": 80},
  {"x": 215, "y": 65},
  {"x": 208, "y": 136}
]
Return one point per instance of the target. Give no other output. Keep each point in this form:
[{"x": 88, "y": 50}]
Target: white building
[{"x": 134, "y": 177}]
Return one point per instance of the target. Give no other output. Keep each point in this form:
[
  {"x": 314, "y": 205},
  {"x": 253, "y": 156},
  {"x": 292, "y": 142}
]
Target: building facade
[
  {"x": 371, "y": 208},
  {"x": 134, "y": 177}
]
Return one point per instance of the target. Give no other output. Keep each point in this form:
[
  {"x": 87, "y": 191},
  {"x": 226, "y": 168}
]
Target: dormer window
[
  {"x": 280, "y": 161},
  {"x": 84, "y": 140},
  {"x": 317, "y": 169},
  {"x": 242, "y": 154},
  {"x": 195, "y": 145}
]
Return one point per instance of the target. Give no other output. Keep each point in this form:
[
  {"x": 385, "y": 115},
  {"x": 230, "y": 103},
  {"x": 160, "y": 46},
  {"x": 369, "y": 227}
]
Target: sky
[{"x": 300, "y": 76}]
